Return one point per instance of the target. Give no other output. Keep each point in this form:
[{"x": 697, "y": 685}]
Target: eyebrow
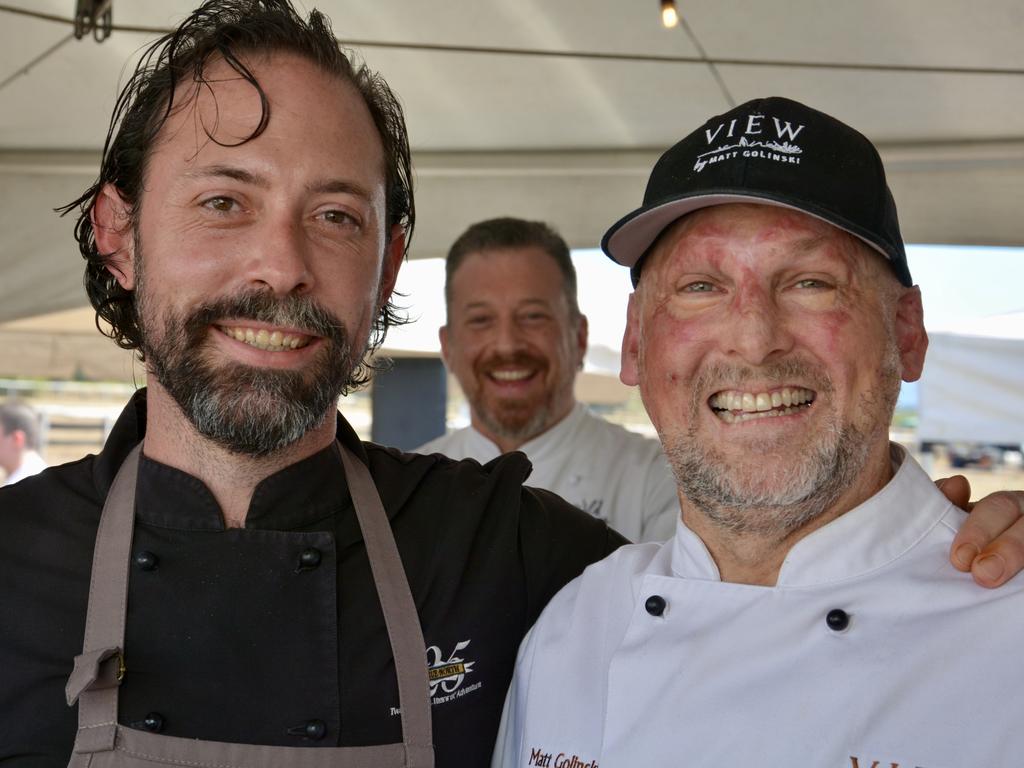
[
  {"x": 524, "y": 303},
  {"x": 317, "y": 186},
  {"x": 229, "y": 172},
  {"x": 810, "y": 244}
]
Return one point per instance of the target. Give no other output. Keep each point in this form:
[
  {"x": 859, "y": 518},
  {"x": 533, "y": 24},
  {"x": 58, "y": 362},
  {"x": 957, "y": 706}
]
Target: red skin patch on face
[{"x": 738, "y": 289}]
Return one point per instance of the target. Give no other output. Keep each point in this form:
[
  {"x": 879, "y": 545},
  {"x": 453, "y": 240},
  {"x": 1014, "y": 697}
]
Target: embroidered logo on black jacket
[{"x": 446, "y": 676}]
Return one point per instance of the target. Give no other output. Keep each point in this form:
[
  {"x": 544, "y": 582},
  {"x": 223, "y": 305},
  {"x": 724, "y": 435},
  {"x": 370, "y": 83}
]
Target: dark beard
[{"x": 248, "y": 410}]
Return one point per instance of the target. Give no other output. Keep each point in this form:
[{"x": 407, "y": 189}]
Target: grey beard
[
  {"x": 789, "y": 497},
  {"x": 248, "y": 410}
]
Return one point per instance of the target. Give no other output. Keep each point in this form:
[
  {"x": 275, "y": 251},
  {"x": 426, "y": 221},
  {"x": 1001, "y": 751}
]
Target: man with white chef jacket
[
  {"x": 801, "y": 614},
  {"x": 515, "y": 340}
]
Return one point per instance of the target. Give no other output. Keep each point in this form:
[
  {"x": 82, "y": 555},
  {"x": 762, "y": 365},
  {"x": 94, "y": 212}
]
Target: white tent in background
[{"x": 972, "y": 389}]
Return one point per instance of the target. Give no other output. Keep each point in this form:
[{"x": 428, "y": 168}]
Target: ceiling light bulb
[{"x": 669, "y": 16}]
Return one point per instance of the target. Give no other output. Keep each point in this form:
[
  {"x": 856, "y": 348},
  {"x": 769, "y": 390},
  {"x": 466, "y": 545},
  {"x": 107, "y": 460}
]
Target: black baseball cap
[{"x": 773, "y": 151}]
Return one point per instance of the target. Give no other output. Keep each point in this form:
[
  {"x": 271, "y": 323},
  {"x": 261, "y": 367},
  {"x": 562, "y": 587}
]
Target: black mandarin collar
[{"x": 297, "y": 497}]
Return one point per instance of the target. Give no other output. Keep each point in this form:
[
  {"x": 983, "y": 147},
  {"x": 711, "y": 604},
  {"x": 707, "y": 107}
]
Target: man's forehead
[
  {"x": 229, "y": 104},
  {"x": 719, "y": 227},
  {"x": 531, "y": 262},
  {"x": 507, "y": 277}
]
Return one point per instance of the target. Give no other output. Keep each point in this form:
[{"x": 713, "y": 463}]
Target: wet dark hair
[
  {"x": 227, "y": 29},
  {"x": 509, "y": 232}
]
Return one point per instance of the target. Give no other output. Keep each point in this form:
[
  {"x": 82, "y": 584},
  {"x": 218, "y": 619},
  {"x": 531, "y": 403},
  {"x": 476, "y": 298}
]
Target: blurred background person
[
  {"x": 515, "y": 340},
  {"x": 19, "y": 442}
]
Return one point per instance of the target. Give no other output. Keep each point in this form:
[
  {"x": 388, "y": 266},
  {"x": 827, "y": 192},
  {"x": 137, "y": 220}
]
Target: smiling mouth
[
  {"x": 269, "y": 341},
  {"x": 732, "y": 406},
  {"x": 511, "y": 375}
]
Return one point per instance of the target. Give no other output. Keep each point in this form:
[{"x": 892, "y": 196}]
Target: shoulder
[
  {"x": 591, "y": 614},
  {"x": 52, "y": 493},
  {"x": 50, "y": 518},
  {"x": 399, "y": 475},
  {"x": 631, "y": 445},
  {"x": 605, "y": 588},
  {"x": 493, "y": 488},
  {"x": 443, "y": 444}
]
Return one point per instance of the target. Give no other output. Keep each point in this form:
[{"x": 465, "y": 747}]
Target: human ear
[
  {"x": 394, "y": 253},
  {"x": 911, "y": 336},
  {"x": 629, "y": 372},
  {"x": 582, "y": 336},
  {"x": 111, "y": 226},
  {"x": 442, "y": 335}
]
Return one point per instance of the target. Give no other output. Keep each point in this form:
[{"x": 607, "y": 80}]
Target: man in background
[
  {"x": 515, "y": 340},
  {"x": 19, "y": 442}
]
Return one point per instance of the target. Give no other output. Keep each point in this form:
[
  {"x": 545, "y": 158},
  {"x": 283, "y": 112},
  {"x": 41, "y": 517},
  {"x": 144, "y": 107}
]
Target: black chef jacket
[{"x": 273, "y": 634}]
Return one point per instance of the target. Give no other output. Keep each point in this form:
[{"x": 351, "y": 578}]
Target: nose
[
  {"x": 508, "y": 337},
  {"x": 280, "y": 257},
  {"x": 757, "y": 330}
]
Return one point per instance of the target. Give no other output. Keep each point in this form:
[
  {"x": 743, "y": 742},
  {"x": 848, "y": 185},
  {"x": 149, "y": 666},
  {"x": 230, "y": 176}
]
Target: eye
[
  {"x": 698, "y": 286},
  {"x": 533, "y": 317},
  {"x": 220, "y": 204},
  {"x": 812, "y": 283},
  {"x": 339, "y": 218}
]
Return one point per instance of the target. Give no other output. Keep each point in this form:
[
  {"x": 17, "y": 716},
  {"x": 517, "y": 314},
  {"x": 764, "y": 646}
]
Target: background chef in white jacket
[
  {"x": 19, "y": 442},
  {"x": 804, "y": 613},
  {"x": 515, "y": 340}
]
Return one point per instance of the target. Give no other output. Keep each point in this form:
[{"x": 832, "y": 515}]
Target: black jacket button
[
  {"x": 837, "y": 619},
  {"x": 655, "y": 605},
  {"x": 310, "y": 558},
  {"x": 146, "y": 560},
  {"x": 311, "y": 729},
  {"x": 154, "y": 722}
]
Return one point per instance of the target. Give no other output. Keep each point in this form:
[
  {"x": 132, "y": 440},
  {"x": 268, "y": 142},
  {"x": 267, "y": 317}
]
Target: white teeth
[
  {"x": 275, "y": 341},
  {"x": 740, "y": 406},
  {"x": 511, "y": 375},
  {"x": 731, "y": 418}
]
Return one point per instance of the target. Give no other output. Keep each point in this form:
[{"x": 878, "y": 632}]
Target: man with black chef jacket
[
  {"x": 799, "y": 616},
  {"x": 253, "y": 208},
  {"x": 236, "y": 579}
]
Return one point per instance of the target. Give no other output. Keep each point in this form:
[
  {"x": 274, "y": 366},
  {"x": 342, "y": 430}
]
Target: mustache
[
  {"x": 518, "y": 358},
  {"x": 719, "y": 376},
  {"x": 300, "y": 312}
]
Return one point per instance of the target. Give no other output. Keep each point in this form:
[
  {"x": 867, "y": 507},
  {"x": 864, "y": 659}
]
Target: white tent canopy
[
  {"x": 557, "y": 110},
  {"x": 972, "y": 389}
]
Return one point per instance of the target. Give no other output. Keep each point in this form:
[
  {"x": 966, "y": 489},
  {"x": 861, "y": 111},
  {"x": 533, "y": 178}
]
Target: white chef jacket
[
  {"x": 927, "y": 673},
  {"x": 602, "y": 468},
  {"x": 31, "y": 464}
]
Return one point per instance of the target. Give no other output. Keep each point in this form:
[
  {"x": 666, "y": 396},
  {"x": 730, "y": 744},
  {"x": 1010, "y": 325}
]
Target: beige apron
[{"x": 102, "y": 742}]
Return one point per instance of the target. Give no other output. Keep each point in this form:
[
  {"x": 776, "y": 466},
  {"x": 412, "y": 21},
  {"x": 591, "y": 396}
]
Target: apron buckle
[{"x": 95, "y": 670}]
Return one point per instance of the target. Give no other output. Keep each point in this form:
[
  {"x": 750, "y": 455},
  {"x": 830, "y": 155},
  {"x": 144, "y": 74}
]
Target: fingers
[
  {"x": 957, "y": 489},
  {"x": 991, "y": 542}
]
